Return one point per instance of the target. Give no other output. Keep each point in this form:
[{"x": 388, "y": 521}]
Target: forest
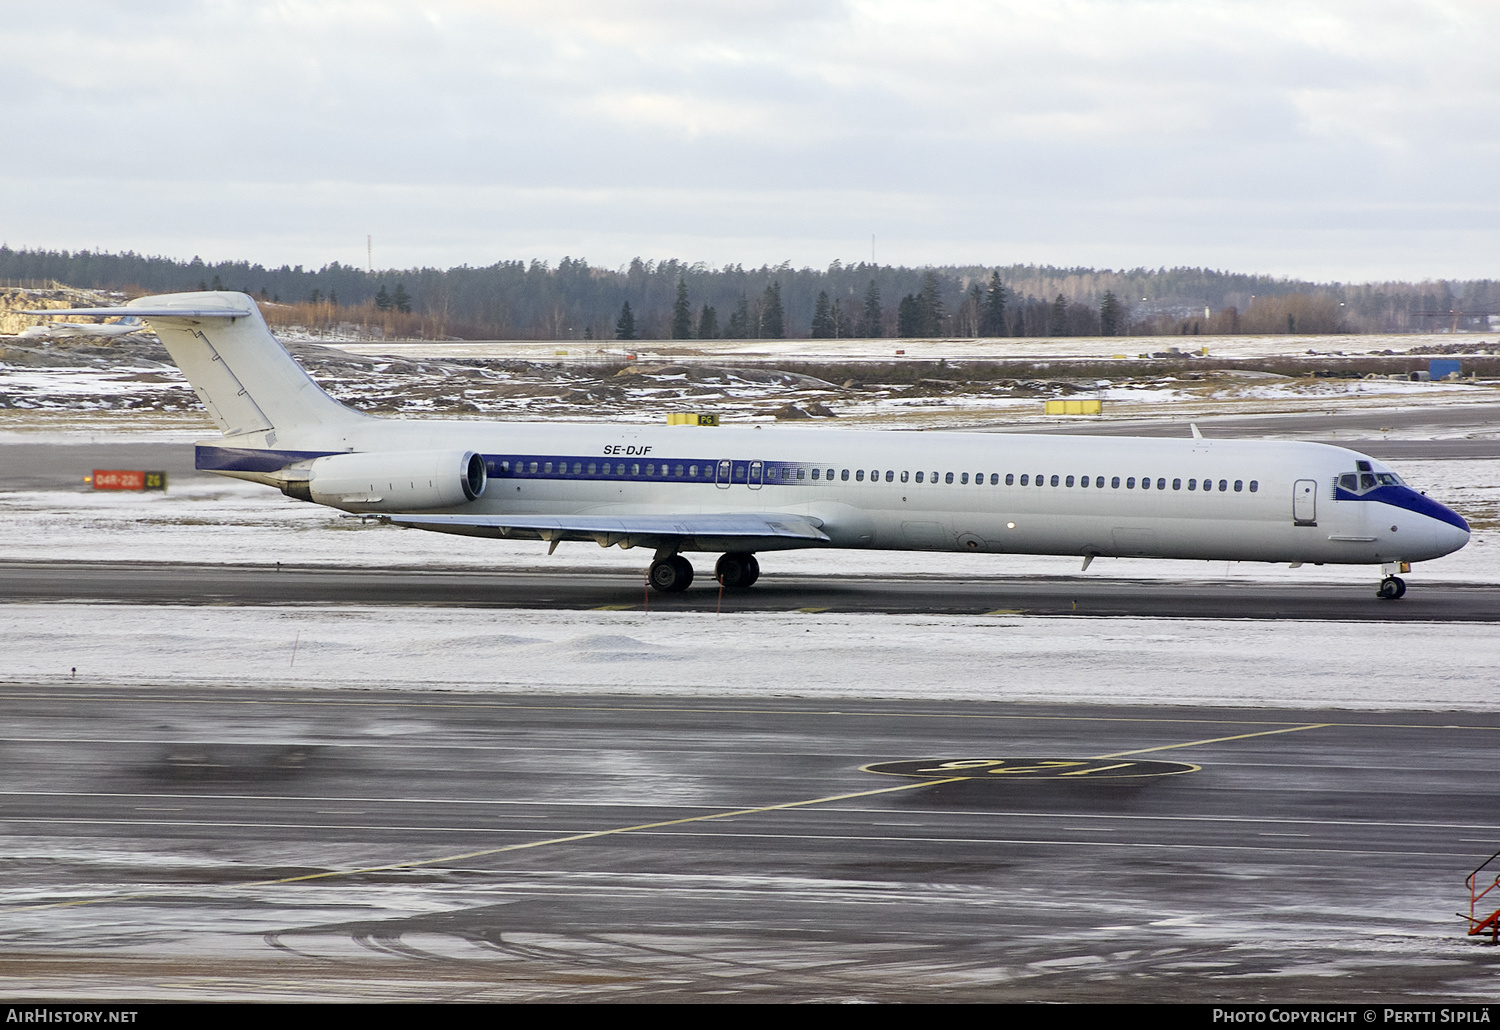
[{"x": 671, "y": 299}]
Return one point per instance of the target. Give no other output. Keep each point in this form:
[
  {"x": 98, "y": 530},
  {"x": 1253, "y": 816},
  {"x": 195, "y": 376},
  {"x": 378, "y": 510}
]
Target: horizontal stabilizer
[
  {"x": 143, "y": 312},
  {"x": 621, "y": 527}
]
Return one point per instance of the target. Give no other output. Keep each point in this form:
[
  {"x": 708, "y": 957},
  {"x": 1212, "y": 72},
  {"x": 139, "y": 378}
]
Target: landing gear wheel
[
  {"x": 671, "y": 575},
  {"x": 737, "y": 570},
  {"x": 1391, "y": 588}
]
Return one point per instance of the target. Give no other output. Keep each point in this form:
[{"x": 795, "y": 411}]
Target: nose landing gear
[{"x": 1391, "y": 588}]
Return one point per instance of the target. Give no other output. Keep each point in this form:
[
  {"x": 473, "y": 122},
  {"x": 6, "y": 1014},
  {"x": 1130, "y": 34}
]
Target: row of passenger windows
[
  {"x": 1026, "y": 479},
  {"x": 692, "y": 471},
  {"x": 594, "y": 468}
]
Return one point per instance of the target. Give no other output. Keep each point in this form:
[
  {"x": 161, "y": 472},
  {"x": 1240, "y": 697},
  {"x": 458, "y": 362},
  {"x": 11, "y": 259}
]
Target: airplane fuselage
[{"x": 1239, "y": 500}]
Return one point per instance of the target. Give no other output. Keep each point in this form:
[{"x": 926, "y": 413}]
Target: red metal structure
[{"x": 1481, "y": 924}]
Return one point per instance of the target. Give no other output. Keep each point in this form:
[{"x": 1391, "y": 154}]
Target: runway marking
[
  {"x": 1030, "y": 768},
  {"x": 811, "y": 611},
  {"x": 568, "y": 839},
  {"x": 613, "y": 608},
  {"x": 1217, "y": 740},
  {"x": 1007, "y": 611}
]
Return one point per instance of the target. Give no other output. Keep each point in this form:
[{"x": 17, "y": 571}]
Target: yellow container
[
  {"x": 692, "y": 418},
  {"x": 1086, "y": 407}
]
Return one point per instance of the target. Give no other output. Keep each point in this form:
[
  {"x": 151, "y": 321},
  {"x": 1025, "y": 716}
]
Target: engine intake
[{"x": 392, "y": 480}]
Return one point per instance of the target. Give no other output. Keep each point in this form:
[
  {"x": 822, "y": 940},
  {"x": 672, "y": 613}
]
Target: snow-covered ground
[{"x": 937, "y": 658}]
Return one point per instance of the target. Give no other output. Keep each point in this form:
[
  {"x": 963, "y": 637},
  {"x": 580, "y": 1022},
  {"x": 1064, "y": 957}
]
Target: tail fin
[{"x": 246, "y": 379}]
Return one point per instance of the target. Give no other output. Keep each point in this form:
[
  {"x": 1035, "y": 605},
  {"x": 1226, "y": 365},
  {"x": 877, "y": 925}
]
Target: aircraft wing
[{"x": 712, "y": 531}]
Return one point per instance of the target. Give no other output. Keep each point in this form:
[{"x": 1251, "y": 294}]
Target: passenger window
[
  {"x": 547, "y": 468},
  {"x": 1010, "y": 479},
  {"x": 593, "y": 467},
  {"x": 889, "y": 476},
  {"x": 964, "y": 478},
  {"x": 635, "y": 470},
  {"x": 1239, "y": 485},
  {"x": 1161, "y": 484},
  {"x": 1192, "y": 484},
  {"x": 692, "y": 471},
  {"x": 919, "y": 477},
  {"x": 1254, "y": 485},
  {"x": 677, "y": 472},
  {"x": 844, "y": 475},
  {"x": 801, "y": 473},
  {"x": 1130, "y": 483},
  {"x": 817, "y": 472},
  {"x": 1054, "y": 481},
  {"x": 948, "y": 478},
  {"x": 904, "y": 474},
  {"x": 994, "y": 479},
  {"x": 859, "y": 475},
  {"x": 1025, "y": 480},
  {"x": 1115, "y": 483},
  {"x": 1068, "y": 481},
  {"x": 1146, "y": 484},
  {"x": 1223, "y": 485},
  {"x": 1176, "y": 484}
]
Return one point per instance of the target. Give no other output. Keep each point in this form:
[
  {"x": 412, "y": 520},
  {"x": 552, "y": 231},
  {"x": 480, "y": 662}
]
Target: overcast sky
[{"x": 1336, "y": 140}]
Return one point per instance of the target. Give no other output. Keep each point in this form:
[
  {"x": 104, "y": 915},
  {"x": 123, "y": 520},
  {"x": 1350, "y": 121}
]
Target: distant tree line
[{"x": 674, "y": 300}]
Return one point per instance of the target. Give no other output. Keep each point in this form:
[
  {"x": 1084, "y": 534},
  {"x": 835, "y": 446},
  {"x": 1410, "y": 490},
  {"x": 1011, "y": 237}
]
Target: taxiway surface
[
  {"x": 200, "y": 843},
  {"x": 168, "y": 583}
]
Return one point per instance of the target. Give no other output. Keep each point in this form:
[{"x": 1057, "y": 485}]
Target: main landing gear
[
  {"x": 671, "y": 574},
  {"x": 737, "y": 570},
  {"x": 1391, "y": 588}
]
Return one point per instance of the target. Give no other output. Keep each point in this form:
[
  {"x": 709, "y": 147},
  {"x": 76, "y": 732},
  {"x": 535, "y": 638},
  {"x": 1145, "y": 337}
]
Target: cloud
[{"x": 1007, "y": 129}]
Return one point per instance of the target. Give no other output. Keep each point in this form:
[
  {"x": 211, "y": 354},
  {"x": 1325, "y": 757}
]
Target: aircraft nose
[{"x": 1451, "y": 537}]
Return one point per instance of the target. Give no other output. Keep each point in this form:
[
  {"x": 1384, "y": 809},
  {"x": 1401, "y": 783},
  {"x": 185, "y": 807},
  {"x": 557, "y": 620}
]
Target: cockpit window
[{"x": 1389, "y": 479}]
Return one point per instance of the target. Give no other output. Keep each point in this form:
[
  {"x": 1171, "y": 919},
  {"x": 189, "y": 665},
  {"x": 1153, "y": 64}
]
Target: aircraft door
[
  {"x": 1305, "y": 502},
  {"x": 724, "y": 474},
  {"x": 757, "y": 474}
]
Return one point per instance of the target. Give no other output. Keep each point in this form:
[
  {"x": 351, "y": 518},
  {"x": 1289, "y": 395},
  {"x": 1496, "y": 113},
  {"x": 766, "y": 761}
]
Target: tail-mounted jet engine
[{"x": 390, "y": 480}]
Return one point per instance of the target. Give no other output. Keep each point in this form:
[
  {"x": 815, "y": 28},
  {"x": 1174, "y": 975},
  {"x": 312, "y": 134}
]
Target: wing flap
[{"x": 618, "y": 528}]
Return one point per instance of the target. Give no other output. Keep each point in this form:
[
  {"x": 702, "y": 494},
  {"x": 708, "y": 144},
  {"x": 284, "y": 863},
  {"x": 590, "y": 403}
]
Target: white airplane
[
  {"x": 64, "y": 330},
  {"x": 744, "y": 489}
]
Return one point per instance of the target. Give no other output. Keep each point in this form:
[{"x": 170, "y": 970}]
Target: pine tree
[
  {"x": 383, "y": 299},
  {"x": 708, "y": 324},
  {"x": 625, "y": 325},
  {"x": 909, "y": 317},
  {"x": 772, "y": 317},
  {"x": 992, "y": 318},
  {"x": 738, "y": 327},
  {"x": 1109, "y": 314},
  {"x": 682, "y": 314},
  {"x": 1058, "y": 324},
  {"x": 870, "y": 318},
  {"x": 400, "y": 301},
  {"x": 843, "y": 322},
  {"x": 930, "y": 313},
  {"x": 822, "y": 324}
]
